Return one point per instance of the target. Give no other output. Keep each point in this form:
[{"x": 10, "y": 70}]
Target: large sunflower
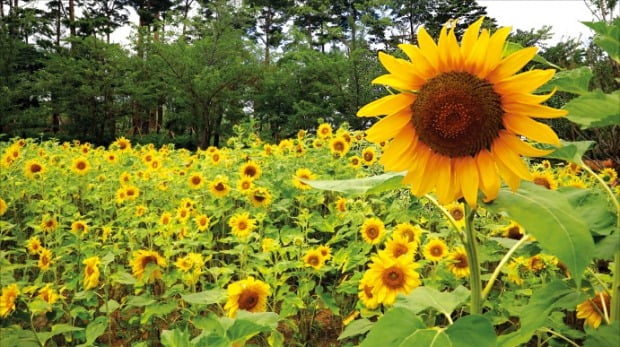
[
  {"x": 141, "y": 259},
  {"x": 389, "y": 276},
  {"x": 80, "y": 166},
  {"x": 249, "y": 295},
  {"x": 592, "y": 310},
  {"x": 314, "y": 258},
  {"x": 251, "y": 170},
  {"x": 456, "y": 121}
]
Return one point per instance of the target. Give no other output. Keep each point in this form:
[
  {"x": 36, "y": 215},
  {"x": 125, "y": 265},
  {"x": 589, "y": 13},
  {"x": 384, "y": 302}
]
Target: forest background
[{"x": 193, "y": 68}]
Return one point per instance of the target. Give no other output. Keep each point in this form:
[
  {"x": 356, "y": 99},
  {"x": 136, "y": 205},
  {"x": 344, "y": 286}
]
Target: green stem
[
  {"x": 615, "y": 290},
  {"x": 554, "y": 333},
  {"x": 471, "y": 247},
  {"x": 501, "y": 264}
]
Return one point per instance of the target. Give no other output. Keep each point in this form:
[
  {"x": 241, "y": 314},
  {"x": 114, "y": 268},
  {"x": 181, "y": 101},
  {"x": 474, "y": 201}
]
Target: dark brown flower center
[
  {"x": 460, "y": 261},
  {"x": 34, "y": 168},
  {"x": 220, "y": 187},
  {"x": 436, "y": 251},
  {"x": 457, "y": 214},
  {"x": 514, "y": 233},
  {"x": 313, "y": 260},
  {"x": 399, "y": 250},
  {"x": 148, "y": 259},
  {"x": 339, "y": 146},
  {"x": 368, "y": 291},
  {"x": 258, "y": 197},
  {"x": 242, "y": 225},
  {"x": 196, "y": 180},
  {"x": 457, "y": 114},
  {"x": 372, "y": 232},
  {"x": 248, "y": 299},
  {"x": 409, "y": 235},
  {"x": 250, "y": 171},
  {"x": 368, "y": 156},
  {"x": 542, "y": 181},
  {"x": 393, "y": 277},
  {"x": 81, "y": 165}
]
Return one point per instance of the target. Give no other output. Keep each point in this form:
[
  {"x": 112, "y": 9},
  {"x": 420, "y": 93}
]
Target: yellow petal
[
  {"x": 415, "y": 173},
  {"x": 428, "y": 46},
  {"x": 474, "y": 63},
  {"x": 401, "y": 161},
  {"x": 530, "y": 98},
  {"x": 503, "y": 153},
  {"x": 394, "y": 81},
  {"x": 535, "y": 111},
  {"x": 525, "y": 82},
  {"x": 402, "y": 69},
  {"x": 449, "y": 52},
  {"x": 522, "y": 147},
  {"x": 489, "y": 181},
  {"x": 401, "y": 143},
  {"x": 494, "y": 51},
  {"x": 511, "y": 64},
  {"x": 507, "y": 175},
  {"x": 444, "y": 180},
  {"x": 531, "y": 129},
  {"x": 421, "y": 65},
  {"x": 470, "y": 37},
  {"x": 429, "y": 179},
  {"x": 386, "y": 105},
  {"x": 389, "y": 126},
  {"x": 468, "y": 173}
]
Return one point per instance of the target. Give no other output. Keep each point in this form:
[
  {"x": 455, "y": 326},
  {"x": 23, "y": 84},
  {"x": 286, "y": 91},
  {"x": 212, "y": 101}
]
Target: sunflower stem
[
  {"x": 615, "y": 290},
  {"x": 501, "y": 264},
  {"x": 471, "y": 247}
]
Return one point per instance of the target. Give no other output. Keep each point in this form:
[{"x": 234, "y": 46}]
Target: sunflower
[
  {"x": 125, "y": 178},
  {"x": 251, "y": 170},
  {"x": 131, "y": 192},
  {"x": 456, "y": 122},
  {"x": 576, "y": 182},
  {"x": 34, "y": 245},
  {"x": 142, "y": 259},
  {"x": 45, "y": 259},
  {"x": 48, "y": 294},
  {"x": 111, "y": 157},
  {"x": 592, "y": 310},
  {"x": 191, "y": 266},
  {"x": 245, "y": 184},
  {"x": 219, "y": 187},
  {"x": 355, "y": 161},
  {"x": 268, "y": 244},
  {"x": 339, "y": 146},
  {"x": 369, "y": 155},
  {"x": 389, "y": 276},
  {"x": 411, "y": 232},
  {"x": 324, "y": 131},
  {"x": 122, "y": 144},
  {"x": 248, "y": 294},
  {"x": 326, "y": 252},
  {"x": 7, "y": 299},
  {"x": 303, "y": 173},
  {"x": 3, "y": 207},
  {"x": 260, "y": 197},
  {"x": 202, "y": 222},
  {"x": 183, "y": 214},
  {"x": 268, "y": 149},
  {"x": 536, "y": 263},
  {"x": 317, "y": 143},
  {"x": 513, "y": 231},
  {"x": 80, "y": 166},
  {"x": 165, "y": 218},
  {"x": 609, "y": 175},
  {"x": 91, "y": 272},
  {"x": 366, "y": 295},
  {"x": 545, "y": 179},
  {"x": 457, "y": 262},
  {"x": 195, "y": 180},
  {"x": 435, "y": 250},
  {"x": 314, "y": 258},
  {"x": 372, "y": 230},
  {"x": 341, "y": 204},
  {"x": 457, "y": 211},
  {"x": 34, "y": 169},
  {"x": 140, "y": 210},
  {"x": 400, "y": 246},
  {"x": 48, "y": 223},
  {"x": 79, "y": 226},
  {"x": 241, "y": 224}
]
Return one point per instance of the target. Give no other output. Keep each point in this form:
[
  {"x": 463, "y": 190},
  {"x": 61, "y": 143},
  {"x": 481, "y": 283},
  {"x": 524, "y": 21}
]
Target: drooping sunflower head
[
  {"x": 249, "y": 295},
  {"x": 513, "y": 231},
  {"x": 435, "y": 250},
  {"x": 592, "y": 310},
  {"x": 45, "y": 259},
  {"x": 372, "y": 230},
  {"x": 457, "y": 262},
  {"x": 91, "y": 272},
  {"x": 79, "y": 227},
  {"x": 314, "y": 258},
  {"x": 341, "y": 204},
  {"x": 80, "y": 166},
  {"x": 389, "y": 276},
  {"x": 47, "y": 294},
  {"x": 251, "y": 170},
  {"x": 7, "y": 299},
  {"x": 260, "y": 197},
  {"x": 303, "y": 173},
  {"x": 145, "y": 258},
  {"x": 456, "y": 122}
]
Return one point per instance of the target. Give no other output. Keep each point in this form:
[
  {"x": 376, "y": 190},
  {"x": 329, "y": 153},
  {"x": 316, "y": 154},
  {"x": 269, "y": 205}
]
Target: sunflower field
[{"x": 331, "y": 238}]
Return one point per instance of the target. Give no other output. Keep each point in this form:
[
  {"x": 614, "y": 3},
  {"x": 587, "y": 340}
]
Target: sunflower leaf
[
  {"x": 512, "y": 47},
  {"x": 393, "y": 328},
  {"x": 422, "y": 298},
  {"x": 575, "y": 81},
  {"x": 571, "y": 151},
  {"x": 374, "y": 184},
  {"x": 547, "y": 215},
  {"x": 595, "y": 109},
  {"x": 472, "y": 330}
]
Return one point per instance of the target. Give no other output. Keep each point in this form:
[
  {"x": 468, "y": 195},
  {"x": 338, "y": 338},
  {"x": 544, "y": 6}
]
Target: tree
[{"x": 270, "y": 17}]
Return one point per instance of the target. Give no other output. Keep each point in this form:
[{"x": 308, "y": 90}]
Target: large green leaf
[
  {"x": 427, "y": 338},
  {"x": 206, "y": 297},
  {"x": 357, "y": 327},
  {"x": 593, "y": 208},
  {"x": 175, "y": 338},
  {"x": 473, "y": 330},
  {"x": 574, "y": 81},
  {"x": 393, "y": 328},
  {"x": 595, "y": 109},
  {"x": 374, "y": 184},
  {"x": 95, "y": 329},
  {"x": 608, "y": 37},
  {"x": 604, "y": 336},
  {"x": 56, "y": 330},
  {"x": 607, "y": 247},
  {"x": 555, "y": 295},
  {"x": 249, "y": 324},
  {"x": 422, "y": 298},
  {"x": 547, "y": 215},
  {"x": 571, "y": 151}
]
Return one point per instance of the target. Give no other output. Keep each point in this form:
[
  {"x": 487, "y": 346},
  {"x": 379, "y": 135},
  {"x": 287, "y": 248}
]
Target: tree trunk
[
  {"x": 72, "y": 17},
  {"x": 266, "y": 29}
]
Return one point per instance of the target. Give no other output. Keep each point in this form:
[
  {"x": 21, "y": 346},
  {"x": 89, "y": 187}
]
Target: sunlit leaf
[
  {"x": 472, "y": 330},
  {"x": 595, "y": 109},
  {"x": 374, "y": 184},
  {"x": 576, "y": 81},
  {"x": 424, "y": 297},
  {"x": 571, "y": 151}
]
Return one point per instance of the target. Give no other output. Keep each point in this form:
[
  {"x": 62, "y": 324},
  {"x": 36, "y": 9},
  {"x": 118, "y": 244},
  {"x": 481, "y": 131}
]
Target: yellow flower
[
  {"x": 125, "y": 178},
  {"x": 80, "y": 166},
  {"x": 260, "y": 197},
  {"x": 609, "y": 175},
  {"x": 7, "y": 299},
  {"x": 513, "y": 231},
  {"x": 250, "y": 170},
  {"x": 165, "y": 218},
  {"x": 326, "y": 252},
  {"x": 140, "y": 210},
  {"x": 339, "y": 146},
  {"x": 341, "y": 204},
  {"x": 459, "y": 114},
  {"x": 3, "y": 207},
  {"x": 242, "y": 225},
  {"x": 400, "y": 246},
  {"x": 314, "y": 258},
  {"x": 245, "y": 184},
  {"x": 389, "y": 276},
  {"x": 303, "y": 173},
  {"x": 435, "y": 250},
  {"x": 457, "y": 211},
  {"x": 369, "y": 155},
  {"x": 249, "y": 295},
  {"x": 372, "y": 230},
  {"x": 219, "y": 187},
  {"x": 268, "y": 244},
  {"x": 122, "y": 144},
  {"x": 45, "y": 259},
  {"x": 202, "y": 222},
  {"x": 317, "y": 143},
  {"x": 183, "y": 214},
  {"x": 111, "y": 157},
  {"x": 49, "y": 223},
  {"x": 536, "y": 263},
  {"x": 91, "y": 272},
  {"x": 189, "y": 262},
  {"x": 545, "y": 179},
  {"x": 457, "y": 262},
  {"x": 34, "y": 169},
  {"x": 48, "y": 295},
  {"x": 34, "y": 245},
  {"x": 366, "y": 295},
  {"x": 355, "y": 161},
  {"x": 131, "y": 192},
  {"x": 195, "y": 180},
  {"x": 324, "y": 131},
  {"x": 411, "y": 232},
  {"x": 144, "y": 258},
  {"x": 79, "y": 226},
  {"x": 592, "y": 310}
]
